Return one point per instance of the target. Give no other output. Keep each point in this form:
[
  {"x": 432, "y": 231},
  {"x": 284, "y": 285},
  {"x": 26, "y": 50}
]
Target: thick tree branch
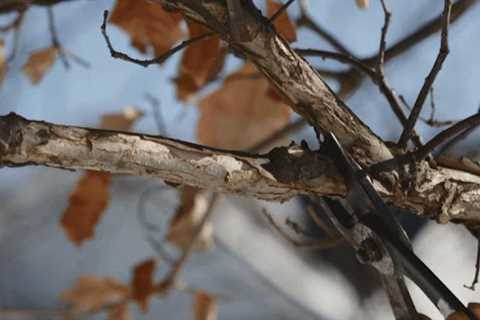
[
  {"x": 25, "y": 142},
  {"x": 277, "y": 176},
  {"x": 291, "y": 74}
]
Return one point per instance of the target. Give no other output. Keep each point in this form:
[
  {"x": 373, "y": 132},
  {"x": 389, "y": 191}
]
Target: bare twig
[
  {"x": 380, "y": 79},
  {"x": 455, "y": 140},
  {"x": 383, "y": 42},
  {"x": 146, "y": 62},
  {"x": 54, "y": 37},
  {"x": 423, "y": 32},
  {"x": 422, "y": 152},
  {"x": 431, "y": 121},
  {"x": 340, "y": 57},
  {"x": 437, "y": 66}
]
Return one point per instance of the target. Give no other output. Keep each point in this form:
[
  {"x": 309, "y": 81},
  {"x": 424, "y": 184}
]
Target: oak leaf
[
  {"x": 147, "y": 24},
  {"x": 201, "y": 62},
  {"x": 142, "y": 283},
  {"x": 39, "y": 63},
  {"x": 242, "y": 112},
  {"x": 193, "y": 207},
  {"x": 205, "y": 306},
  {"x": 91, "y": 196},
  {"x": 282, "y": 23},
  {"x": 92, "y": 293}
]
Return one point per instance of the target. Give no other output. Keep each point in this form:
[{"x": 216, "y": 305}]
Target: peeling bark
[
  {"x": 25, "y": 142},
  {"x": 282, "y": 173}
]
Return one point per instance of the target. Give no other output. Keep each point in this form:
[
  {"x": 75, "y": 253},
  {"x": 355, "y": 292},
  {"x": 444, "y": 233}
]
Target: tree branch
[
  {"x": 26, "y": 142},
  {"x": 276, "y": 176}
]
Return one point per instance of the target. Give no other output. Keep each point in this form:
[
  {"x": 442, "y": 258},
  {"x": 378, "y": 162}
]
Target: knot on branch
[
  {"x": 10, "y": 133},
  {"x": 296, "y": 163}
]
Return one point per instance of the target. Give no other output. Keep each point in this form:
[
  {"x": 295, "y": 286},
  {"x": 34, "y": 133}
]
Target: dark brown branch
[
  {"x": 340, "y": 57},
  {"x": 146, "y": 62},
  {"x": 430, "y": 121},
  {"x": 54, "y": 38},
  {"x": 425, "y": 31},
  {"x": 437, "y": 66},
  {"x": 422, "y": 152}
]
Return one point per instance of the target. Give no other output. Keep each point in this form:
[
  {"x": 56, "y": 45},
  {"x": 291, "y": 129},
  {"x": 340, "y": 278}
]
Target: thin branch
[
  {"x": 437, "y": 66},
  {"x": 54, "y": 37},
  {"x": 340, "y": 57},
  {"x": 455, "y": 140},
  {"x": 383, "y": 42},
  {"x": 430, "y": 121},
  {"x": 423, "y": 32},
  {"x": 146, "y": 62},
  {"x": 424, "y": 151}
]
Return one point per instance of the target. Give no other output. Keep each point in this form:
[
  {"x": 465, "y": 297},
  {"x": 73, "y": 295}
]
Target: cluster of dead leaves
[{"x": 92, "y": 294}]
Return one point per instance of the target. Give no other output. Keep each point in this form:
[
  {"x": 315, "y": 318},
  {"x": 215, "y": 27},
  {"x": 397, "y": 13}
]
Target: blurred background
[{"x": 255, "y": 272}]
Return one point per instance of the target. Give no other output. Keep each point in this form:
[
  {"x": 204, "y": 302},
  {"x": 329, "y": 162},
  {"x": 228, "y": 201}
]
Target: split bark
[{"x": 439, "y": 192}]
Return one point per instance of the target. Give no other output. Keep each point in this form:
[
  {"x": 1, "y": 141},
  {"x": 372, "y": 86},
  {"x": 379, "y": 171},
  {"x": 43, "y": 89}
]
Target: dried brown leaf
[
  {"x": 282, "y": 23},
  {"x": 193, "y": 206},
  {"x": 39, "y": 63},
  {"x": 92, "y": 293},
  {"x": 142, "y": 283},
  {"x": 91, "y": 196},
  {"x": 242, "y": 112},
  {"x": 363, "y": 4},
  {"x": 205, "y": 306},
  {"x": 201, "y": 62},
  {"x": 148, "y": 24},
  {"x": 86, "y": 204}
]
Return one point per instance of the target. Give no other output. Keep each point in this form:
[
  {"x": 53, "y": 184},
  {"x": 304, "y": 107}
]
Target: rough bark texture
[
  {"x": 442, "y": 193},
  {"x": 439, "y": 192},
  {"x": 24, "y": 142},
  {"x": 276, "y": 176}
]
